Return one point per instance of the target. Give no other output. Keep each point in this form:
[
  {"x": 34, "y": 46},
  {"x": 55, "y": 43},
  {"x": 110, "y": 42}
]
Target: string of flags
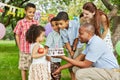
[{"x": 12, "y": 10}]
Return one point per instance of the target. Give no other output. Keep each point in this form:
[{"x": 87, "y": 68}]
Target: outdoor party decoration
[
  {"x": 117, "y": 48},
  {"x": 37, "y": 15},
  {"x": 1, "y": 7},
  {"x": 2, "y": 30},
  {"x": 20, "y": 12},
  {"x": 1, "y": 10},
  {"x": 12, "y": 10}
]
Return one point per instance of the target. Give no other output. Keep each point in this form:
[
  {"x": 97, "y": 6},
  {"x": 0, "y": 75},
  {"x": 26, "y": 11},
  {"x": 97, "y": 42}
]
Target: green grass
[{"x": 9, "y": 62}]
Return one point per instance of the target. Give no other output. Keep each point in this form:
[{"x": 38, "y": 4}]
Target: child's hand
[
  {"x": 48, "y": 58},
  {"x": 71, "y": 54}
]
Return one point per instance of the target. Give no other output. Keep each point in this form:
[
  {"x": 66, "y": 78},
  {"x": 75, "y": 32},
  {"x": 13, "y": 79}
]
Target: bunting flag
[
  {"x": 12, "y": 10},
  {"x": 20, "y": 12},
  {"x": 1, "y": 7}
]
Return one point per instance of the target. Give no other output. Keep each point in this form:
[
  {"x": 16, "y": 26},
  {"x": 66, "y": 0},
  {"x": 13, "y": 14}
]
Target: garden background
[{"x": 8, "y": 48}]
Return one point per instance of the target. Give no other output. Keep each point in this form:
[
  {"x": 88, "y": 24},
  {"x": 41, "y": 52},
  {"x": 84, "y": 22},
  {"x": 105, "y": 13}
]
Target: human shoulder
[
  {"x": 103, "y": 18},
  {"x": 34, "y": 45},
  {"x": 95, "y": 40},
  {"x": 20, "y": 21},
  {"x": 51, "y": 33},
  {"x": 73, "y": 21}
]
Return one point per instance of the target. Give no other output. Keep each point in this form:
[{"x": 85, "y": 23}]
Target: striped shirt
[{"x": 22, "y": 26}]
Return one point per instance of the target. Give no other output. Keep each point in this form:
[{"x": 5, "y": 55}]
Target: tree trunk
[{"x": 116, "y": 30}]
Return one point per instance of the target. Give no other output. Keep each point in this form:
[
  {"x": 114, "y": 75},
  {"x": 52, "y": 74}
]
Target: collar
[
  {"x": 55, "y": 32},
  {"x": 91, "y": 39},
  {"x": 70, "y": 24},
  {"x": 25, "y": 20}
]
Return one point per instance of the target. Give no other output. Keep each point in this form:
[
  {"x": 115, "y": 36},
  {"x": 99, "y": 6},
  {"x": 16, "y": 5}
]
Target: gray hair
[{"x": 89, "y": 28}]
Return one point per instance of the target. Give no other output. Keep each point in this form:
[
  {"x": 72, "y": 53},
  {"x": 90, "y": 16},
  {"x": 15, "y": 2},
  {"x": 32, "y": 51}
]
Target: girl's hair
[
  {"x": 33, "y": 32},
  {"x": 81, "y": 15},
  {"x": 89, "y": 6},
  {"x": 30, "y": 5}
]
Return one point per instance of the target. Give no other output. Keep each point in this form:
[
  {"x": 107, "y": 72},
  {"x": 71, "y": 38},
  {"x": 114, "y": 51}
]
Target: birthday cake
[{"x": 56, "y": 51}]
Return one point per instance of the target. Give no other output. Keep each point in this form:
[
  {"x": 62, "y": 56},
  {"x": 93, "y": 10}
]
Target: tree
[
  {"x": 10, "y": 20},
  {"x": 114, "y": 7}
]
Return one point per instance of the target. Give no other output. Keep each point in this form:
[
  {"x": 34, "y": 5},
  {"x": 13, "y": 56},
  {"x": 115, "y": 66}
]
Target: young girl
[{"x": 39, "y": 69}]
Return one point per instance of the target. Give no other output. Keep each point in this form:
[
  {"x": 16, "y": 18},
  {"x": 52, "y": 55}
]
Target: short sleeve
[
  {"x": 77, "y": 29},
  {"x": 17, "y": 29},
  {"x": 64, "y": 36},
  {"x": 94, "y": 52},
  {"x": 49, "y": 40}
]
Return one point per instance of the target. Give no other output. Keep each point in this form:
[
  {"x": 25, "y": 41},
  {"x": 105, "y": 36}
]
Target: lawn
[{"x": 9, "y": 62}]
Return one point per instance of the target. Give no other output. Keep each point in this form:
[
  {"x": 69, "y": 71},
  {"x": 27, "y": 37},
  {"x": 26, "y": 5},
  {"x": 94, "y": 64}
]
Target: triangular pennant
[
  {"x": 2, "y": 4},
  {"x": 11, "y": 11},
  {"x": 20, "y": 12}
]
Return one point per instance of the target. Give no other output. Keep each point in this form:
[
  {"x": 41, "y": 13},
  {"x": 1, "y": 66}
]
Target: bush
[{"x": 9, "y": 34}]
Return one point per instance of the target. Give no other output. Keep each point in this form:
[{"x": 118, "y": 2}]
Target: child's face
[
  {"x": 41, "y": 37},
  {"x": 30, "y": 13},
  {"x": 62, "y": 24},
  {"x": 54, "y": 25}
]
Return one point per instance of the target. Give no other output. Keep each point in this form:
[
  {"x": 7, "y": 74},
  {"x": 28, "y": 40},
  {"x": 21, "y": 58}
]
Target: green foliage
[
  {"x": 73, "y": 7},
  {"x": 9, "y": 34},
  {"x": 9, "y": 57}
]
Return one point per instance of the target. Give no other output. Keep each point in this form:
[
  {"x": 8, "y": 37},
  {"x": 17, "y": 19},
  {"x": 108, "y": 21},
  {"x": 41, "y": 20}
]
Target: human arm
[
  {"x": 17, "y": 40},
  {"x": 80, "y": 61},
  {"x": 69, "y": 49},
  {"x": 81, "y": 57},
  {"x": 47, "y": 57},
  {"x": 35, "y": 53},
  {"x": 61, "y": 68},
  {"x": 75, "y": 44},
  {"x": 105, "y": 26},
  {"x": 18, "y": 33},
  {"x": 65, "y": 39}
]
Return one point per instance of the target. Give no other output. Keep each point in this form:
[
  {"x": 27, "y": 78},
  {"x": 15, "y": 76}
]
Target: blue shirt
[
  {"x": 97, "y": 52},
  {"x": 70, "y": 34},
  {"x": 54, "y": 40}
]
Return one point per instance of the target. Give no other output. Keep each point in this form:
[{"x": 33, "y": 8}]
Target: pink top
[{"x": 22, "y": 26}]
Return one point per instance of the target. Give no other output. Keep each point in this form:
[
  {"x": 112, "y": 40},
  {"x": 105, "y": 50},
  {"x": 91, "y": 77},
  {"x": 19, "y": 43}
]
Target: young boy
[
  {"x": 54, "y": 41},
  {"x": 20, "y": 30},
  {"x": 69, "y": 32}
]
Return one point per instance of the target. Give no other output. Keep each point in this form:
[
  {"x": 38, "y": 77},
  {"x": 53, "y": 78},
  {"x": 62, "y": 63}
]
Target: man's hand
[{"x": 56, "y": 72}]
